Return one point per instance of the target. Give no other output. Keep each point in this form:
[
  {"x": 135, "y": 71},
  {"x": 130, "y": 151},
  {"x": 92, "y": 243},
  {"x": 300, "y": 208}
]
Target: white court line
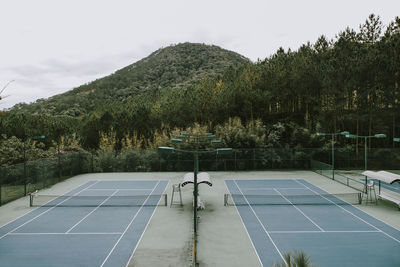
[
  {"x": 307, "y": 232},
  {"x": 130, "y": 180},
  {"x": 265, "y": 230},
  {"x": 46, "y": 210},
  {"x": 93, "y": 233},
  {"x": 144, "y": 230},
  {"x": 126, "y": 229},
  {"x": 241, "y": 219},
  {"x": 272, "y": 188},
  {"x": 121, "y": 189},
  {"x": 276, "y": 190},
  {"x": 87, "y": 215},
  {"x": 350, "y": 213}
]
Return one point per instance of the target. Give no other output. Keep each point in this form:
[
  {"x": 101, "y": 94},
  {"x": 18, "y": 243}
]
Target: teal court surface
[
  {"x": 301, "y": 216},
  {"x": 99, "y": 223},
  {"x": 97, "y": 220}
]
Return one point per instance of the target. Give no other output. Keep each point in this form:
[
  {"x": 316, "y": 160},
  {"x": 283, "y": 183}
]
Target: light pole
[
  {"x": 333, "y": 147},
  {"x": 365, "y": 144},
  {"x": 365, "y": 147},
  {"x": 196, "y": 140}
]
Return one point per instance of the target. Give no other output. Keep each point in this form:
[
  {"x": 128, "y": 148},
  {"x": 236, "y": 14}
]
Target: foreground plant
[{"x": 295, "y": 259}]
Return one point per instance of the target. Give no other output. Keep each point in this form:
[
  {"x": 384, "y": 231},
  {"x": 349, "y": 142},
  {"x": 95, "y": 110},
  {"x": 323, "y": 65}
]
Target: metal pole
[
  {"x": 365, "y": 154},
  {"x": 195, "y": 191},
  {"x": 195, "y": 194},
  {"x": 0, "y": 182},
  {"x": 235, "y": 161},
  {"x": 254, "y": 158},
  {"x": 91, "y": 153},
  {"x": 59, "y": 161},
  {"x": 365, "y": 160},
  {"x": 216, "y": 161},
  {"x": 333, "y": 157},
  {"x": 25, "y": 166},
  {"x": 379, "y": 181}
]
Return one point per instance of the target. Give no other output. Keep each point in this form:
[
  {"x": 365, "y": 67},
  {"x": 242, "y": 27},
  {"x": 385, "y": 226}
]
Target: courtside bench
[
  {"x": 388, "y": 178},
  {"x": 391, "y": 198}
]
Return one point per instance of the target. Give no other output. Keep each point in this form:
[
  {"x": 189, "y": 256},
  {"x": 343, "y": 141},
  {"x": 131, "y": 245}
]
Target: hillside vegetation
[
  {"x": 350, "y": 82},
  {"x": 175, "y": 66}
]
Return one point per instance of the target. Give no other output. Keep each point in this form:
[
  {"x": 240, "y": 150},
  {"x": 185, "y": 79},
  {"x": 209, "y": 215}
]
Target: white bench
[
  {"x": 386, "y": 177},
  {"x": 391, "y": 198}
]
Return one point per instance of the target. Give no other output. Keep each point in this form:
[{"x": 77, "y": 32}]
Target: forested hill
[
  {"x": 175, "y": 66},
  {"x": 348, "y": 83}
]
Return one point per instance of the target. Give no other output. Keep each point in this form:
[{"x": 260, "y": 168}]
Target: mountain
[{"x": 175, "y": 66}]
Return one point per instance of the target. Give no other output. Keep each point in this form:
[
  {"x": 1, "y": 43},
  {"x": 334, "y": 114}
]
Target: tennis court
[
  {"x": 99, "y": 223},
  {"x": 297, "y": 215}
]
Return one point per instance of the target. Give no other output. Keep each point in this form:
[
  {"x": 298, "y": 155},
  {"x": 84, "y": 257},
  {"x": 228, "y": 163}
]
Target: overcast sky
[{"x": 51, "y": 46}]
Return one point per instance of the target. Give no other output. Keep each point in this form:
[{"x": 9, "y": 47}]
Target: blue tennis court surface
[
  {"x": 331, "y": 234},
  {"x": 74, "y": 235}
]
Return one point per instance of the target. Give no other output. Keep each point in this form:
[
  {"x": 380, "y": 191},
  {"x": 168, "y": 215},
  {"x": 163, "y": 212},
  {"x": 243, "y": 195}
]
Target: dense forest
[{"x": 350, "y": 82}]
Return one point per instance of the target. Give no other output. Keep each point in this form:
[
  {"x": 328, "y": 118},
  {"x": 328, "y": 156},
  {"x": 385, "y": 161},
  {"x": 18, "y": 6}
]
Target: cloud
[{"x": 50, "y": 47}]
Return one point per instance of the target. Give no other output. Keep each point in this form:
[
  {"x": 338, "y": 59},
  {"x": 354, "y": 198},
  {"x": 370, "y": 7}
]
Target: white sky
[{"x": 51, "y": 46}]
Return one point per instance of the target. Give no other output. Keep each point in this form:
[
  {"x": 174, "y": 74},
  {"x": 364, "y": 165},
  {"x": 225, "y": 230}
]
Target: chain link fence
[{"x": 21, "y": 179}]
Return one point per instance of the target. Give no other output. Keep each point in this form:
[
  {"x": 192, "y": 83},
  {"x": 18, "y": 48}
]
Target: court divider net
[
  {"x": 298, "y": 199},
  {"x": 36, "y": 200},
  {"x": 322, "y": 168}
]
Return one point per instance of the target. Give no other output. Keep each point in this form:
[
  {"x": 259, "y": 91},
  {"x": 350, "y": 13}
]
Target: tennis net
[
  {"x": 322, "y": 168},
  {"x": 303, "y": 199},
  {"x": 37, "y": 200}
]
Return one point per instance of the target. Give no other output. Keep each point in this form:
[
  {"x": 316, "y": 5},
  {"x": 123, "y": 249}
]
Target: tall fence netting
[{"x": 21, "y": 179}]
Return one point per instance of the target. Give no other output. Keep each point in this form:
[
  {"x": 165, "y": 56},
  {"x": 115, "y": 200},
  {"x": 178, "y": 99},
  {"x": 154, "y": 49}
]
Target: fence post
[
  {"x": 254, "y": 158},
  {"x": 216, "y": 161},
  {"x": 79, "y": 162},
  {"x": 25, "y": 166},
  {"x": 1, "y": 183},
  {"x": 44, "y": 167},
  {"x": 159, "y": 162},
  {"x": 59, "y": 159},
  {"x": 91, "y": 153},
  {"x": 235, "y": 161}
]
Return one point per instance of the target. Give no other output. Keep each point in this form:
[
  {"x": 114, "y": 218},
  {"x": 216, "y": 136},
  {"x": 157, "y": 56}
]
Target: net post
[
  {"x": 30, "y": 200},
  {"x": 225, "y": 200},
  {"x": 2, "y": 182},
  {"x": 165, "y": 200},
  {"x": 359, "y": 198},
  {"x": 379, "y": 181}
]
